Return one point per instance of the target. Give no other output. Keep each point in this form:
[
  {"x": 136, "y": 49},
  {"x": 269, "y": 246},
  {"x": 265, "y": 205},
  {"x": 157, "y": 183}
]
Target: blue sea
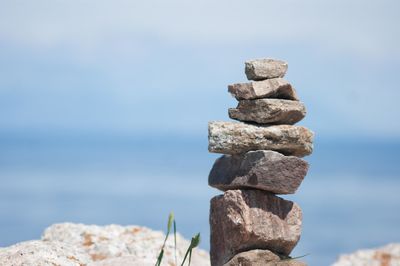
[{"x": 350, "y": 198}]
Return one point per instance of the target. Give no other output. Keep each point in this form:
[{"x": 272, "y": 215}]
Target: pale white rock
[
  {"x": 106, "y": 243},
  {"x": 388, "y": 255},
  {"x": 91, "y": 245},
  {"x": 270, "y": 88},
  {"x": 260, "y": 69},
  {"x": 43, "y": 253},
  {"x": 238, "y": 138},
  {"x": 124, "y": 261}
]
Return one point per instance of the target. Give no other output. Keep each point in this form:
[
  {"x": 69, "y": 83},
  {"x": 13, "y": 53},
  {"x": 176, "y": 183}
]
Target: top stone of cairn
[{"x": 261, "y": 69}]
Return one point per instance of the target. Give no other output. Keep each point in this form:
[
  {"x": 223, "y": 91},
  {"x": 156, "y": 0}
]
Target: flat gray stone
[
  {"x": 259, "y": 257},
  {"x": 269, "y": 111},
  {"x": 237, "y": 138},
  {"x": 264, "y": 170},
  {"x": 270, "y": 88},
  {"x": 261, "y": 69},
  {"x": 252, "y": 219}
]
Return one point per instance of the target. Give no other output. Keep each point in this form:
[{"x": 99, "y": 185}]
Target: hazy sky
[{"x": 140, "y": 67}]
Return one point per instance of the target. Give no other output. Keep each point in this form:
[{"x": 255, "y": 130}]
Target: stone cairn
[{"x": 250, "y": 225}]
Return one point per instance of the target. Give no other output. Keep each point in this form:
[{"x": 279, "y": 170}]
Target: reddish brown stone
[{"x": 252, "y": 219}]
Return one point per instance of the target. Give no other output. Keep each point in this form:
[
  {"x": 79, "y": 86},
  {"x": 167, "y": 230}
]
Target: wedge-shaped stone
[
  {"x": 269, "y": 111},
  {"x": 270, "y": 88},
  {"x": 264, "y": 170},
  {"x": 252, "y": 219},
  {"x": 236, "y": 138},
  {"x": 259, "y": 257},
  {"x": 261, "y": 69}
]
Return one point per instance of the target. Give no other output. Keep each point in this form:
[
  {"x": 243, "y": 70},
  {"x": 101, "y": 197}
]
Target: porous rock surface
[
  {"x": 264, "y": 170},
  {"x": 42, "y": 253},
  {"x": 270, "y": 88},
  {"x": 126, "y": 261},
  {"x": 252, "y": 219},
  {"x": 92, "y": 245},
  {"x": 260, "y": 69},
  {"x": 259, "y": 257},
  {"x": 269, "y": 111},
  {"x": 236, "y": 138},
  {"x": 388, "y": 255}
]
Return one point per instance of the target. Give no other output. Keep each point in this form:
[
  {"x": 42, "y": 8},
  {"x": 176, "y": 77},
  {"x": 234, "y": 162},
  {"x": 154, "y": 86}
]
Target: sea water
[{"x": 350, "y": 198}]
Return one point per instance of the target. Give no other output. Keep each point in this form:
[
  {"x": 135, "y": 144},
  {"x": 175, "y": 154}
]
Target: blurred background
[{"x": 104, "y": 108}]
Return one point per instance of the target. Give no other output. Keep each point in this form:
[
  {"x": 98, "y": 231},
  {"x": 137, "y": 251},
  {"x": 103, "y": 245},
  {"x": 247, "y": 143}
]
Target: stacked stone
[{"x": 250, "y": 225}]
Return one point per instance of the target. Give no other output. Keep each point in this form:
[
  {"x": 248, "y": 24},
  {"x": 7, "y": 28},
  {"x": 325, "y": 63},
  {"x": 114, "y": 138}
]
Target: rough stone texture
[
  {"x": 126, "y": 261},
  {"x": 388, "y": 255},
  {"x": 42, "y": 253},
  {"x": 269, "y": 111},
  {"x": 236, "y": 138},
  {"x": 264, "y": 170},
  {"x": 79, "y": 245},
  {"x": 112, "y": 241},
  {"x": 270, "y": 88},
  {"x": 259, "y": 257},
  {"x": 261, "y": 69},
  {"x": 252, "y": 219}
]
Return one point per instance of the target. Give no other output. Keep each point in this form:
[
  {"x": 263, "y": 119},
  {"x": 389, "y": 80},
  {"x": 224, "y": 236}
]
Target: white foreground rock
[
  {"x": 388, "y": 255},
  {"x": 113, "y": 245},
  {"x": 42, "y": 253}
]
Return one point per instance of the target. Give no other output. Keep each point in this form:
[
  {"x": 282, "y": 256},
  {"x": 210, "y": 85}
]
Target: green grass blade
[
  {"x": 159, "y": 259},
  {"x": 186, "y": 254},
  {"x": 169, "y": 225},
  {"x": 170, "y": 221},
  {"x": 295, "y": 258},
  {"x": 176, "y": 260},
  {"x": 193, "y": 244},
  {"x": 195, "y": 241},
  {"x": 190, "y": 256}
]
